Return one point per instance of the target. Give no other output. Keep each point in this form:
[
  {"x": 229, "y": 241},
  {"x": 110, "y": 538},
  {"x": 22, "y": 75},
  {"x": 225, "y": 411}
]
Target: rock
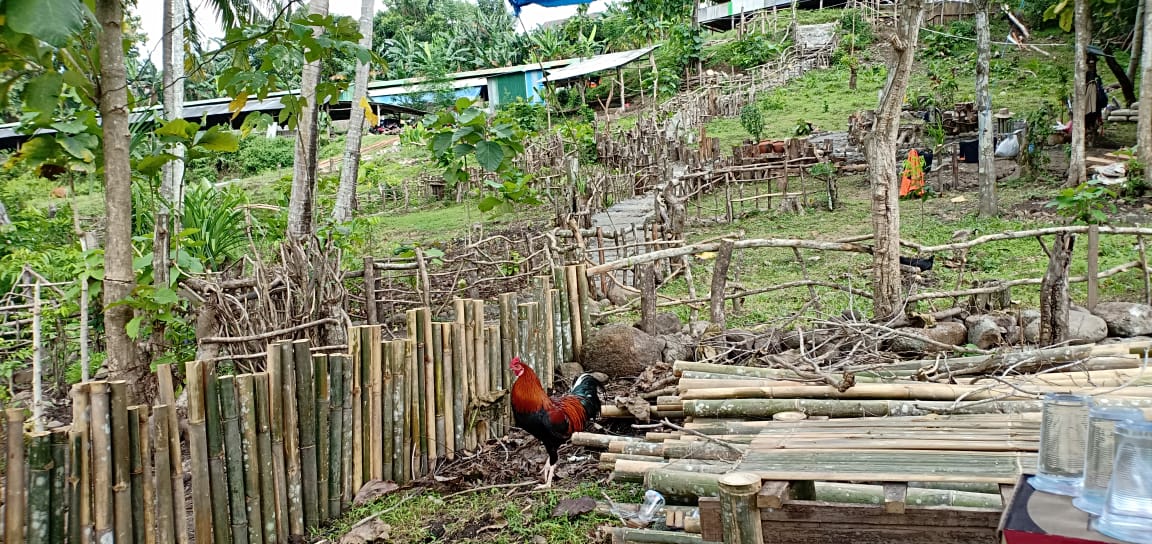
[
  {"x": 1125, "y": 318},
  {"x": 677, "y": 347},
  {"x": 791, "y": 340},
  {"x": 950, "y": 333},
  {"x": 621, "y": 295},
  {"x": 22, "y": 377},
  {"x": 1031, "y": 320},
  {"x": 989, "y": 330},
  {"x": 570, "y": 370},
  {"x": 696, "y": 329},
  {"x": 367, "y": 531},
  {"x": 622, "y": 350},
  {"x": 570, "y": 508},
  {"x": 666, "y": 323},
  {"x": 372, "y": 490},
  {"x": 1085, "y": 328}
]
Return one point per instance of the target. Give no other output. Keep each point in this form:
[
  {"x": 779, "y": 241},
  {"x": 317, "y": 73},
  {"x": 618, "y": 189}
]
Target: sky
[{"x": 151, "y": 13}]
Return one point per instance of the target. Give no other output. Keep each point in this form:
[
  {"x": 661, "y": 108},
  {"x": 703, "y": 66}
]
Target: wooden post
[
  {"x": 648, "y": 298},
  {"x": 198, "y": 451},
  {"x": 370, "y": 306},
  {"x": 585, "y": 323},
  {"x": 14, "y": 506},
  {"x": 1093, "y": 266},
  {"x": 738, "y": 510},
  {"x": 719, "y": 279}
]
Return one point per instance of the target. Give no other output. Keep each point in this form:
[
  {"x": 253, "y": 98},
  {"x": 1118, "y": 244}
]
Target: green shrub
[
  {"x": 259, "y": 154},
  {"x": 529, "y": 116},
  {"x": 752, "y": 119},
  {"x": 754, "y": 50}
]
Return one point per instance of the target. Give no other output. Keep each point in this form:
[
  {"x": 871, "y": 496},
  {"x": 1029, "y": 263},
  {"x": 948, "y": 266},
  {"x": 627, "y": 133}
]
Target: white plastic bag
[{"x": 1009, "y": 147}]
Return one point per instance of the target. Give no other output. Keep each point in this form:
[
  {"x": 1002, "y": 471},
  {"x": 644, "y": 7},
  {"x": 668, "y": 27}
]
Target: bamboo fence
[{"x": 273, "y": 455}]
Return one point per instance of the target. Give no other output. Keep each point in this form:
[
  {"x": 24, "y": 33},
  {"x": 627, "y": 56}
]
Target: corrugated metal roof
[
  {"x": 409, "y": 89},
  {"x": 598, "y": 63}
]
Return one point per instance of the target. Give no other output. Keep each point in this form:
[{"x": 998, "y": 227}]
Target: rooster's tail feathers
[{"x": 587, "y": 388}]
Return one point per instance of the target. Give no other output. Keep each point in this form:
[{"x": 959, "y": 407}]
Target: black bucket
[{"x": 970, "y": 151}]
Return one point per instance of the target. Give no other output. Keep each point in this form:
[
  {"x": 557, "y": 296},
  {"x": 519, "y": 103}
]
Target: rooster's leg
[{"x": 549, "y": 469}]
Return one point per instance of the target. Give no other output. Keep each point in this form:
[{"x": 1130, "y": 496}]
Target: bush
[
  {"x": 754, "y": 50},
  {"x": 530, "y": 117},
  {"x": 259, "y": 154},
  {"x": 752, "y": 119}
]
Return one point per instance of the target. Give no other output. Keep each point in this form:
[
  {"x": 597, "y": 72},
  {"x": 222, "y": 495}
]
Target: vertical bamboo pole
[
  {"x": 165, "y": 517},
  {"x": 102, "y": 504},
  {"x": 451, "y": 399},
  {"x": 370, "y": 347},
  {"x": 358, "y": 415},
  {"x": 39, "y": 492},
  {"x": 388, "y": 366},
  {"x": 263, "y": 463},
  {"x": 585, "y": 318},
  {"x": 574, "y": 311},
  {"x": 474, "y": 337},
  {"x": 76, "y": 455},
  {"x": 14, "y": 490},
  {"x": 121, "y": 461},
  {"x": 347, "y": 430},
  {"x": 59, "y": 516},
  {"x": 249, "y": 442},
  {"x": 277, "y": 353},
  {"x": 467, "y": 390},
  {"x": 412, "y": 411},
  {"x": 296, "y": 527},
  {"x": 562, "y": 311},
  {"x": 80, "y": 511},
  {"x": 306, "y": 405},
  {"x": 437, "y": 334},
  {"x": 216, "y": 463},
  {"x": 416, "y": 390},
  {"x": 508, "y": 326},
  {"x": 424, "y": 338},
  {"x": 149, "y": 493},
  {"x": 549, "y": 331},
  {"x": 524, "y": 333},
  {"x": 167, "y": 396},
  {"x": 496, "y": 376},
  {"x": 137, "y": 455},
  {"x": 336, "y": 443},
  {"x": 738, "y": 510},
  {"x": 365, "y": 429},
  {"x": 198, "y": 450},
  {"x": 400, "y": 456},
  {"x": 234, "y": 453},
  {"x": 323, "y": 400},
  {"x": 556, "y": 325}
]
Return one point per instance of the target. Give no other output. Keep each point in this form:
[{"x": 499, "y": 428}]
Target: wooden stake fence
[{"x": 277, "y": 453}]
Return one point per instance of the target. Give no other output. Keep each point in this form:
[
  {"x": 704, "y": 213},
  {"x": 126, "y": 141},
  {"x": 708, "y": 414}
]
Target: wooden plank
[
  {"x": 773, "y": 494},
  {"x": 888, "y": 465},
  {"x": 860, "y": 515},
  {"x": 711, "y": 529},
  {"x": 895, "y": 494},
  {"x": 1006, "y": 493},
  {"x": 822, "y": 533}
]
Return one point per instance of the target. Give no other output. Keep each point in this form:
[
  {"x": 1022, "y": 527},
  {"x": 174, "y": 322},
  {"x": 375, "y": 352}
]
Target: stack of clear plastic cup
[
  {"x": 1099, "y": 454},
  {"x": 1127, "y": 512},
  {"x": 1063, "y": 437}
]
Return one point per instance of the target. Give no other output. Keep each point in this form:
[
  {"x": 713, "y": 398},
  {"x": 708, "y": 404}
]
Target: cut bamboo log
[
  {"x": 359, "y": 416},
  {"x": 370, "y": 346},
  {"x": 402, "y": 438},
  {"x": 419, "y": 403},
  {"x": 467, "y": 386},
  {"x": 496, "y": 378},
  {"x": 393, "y": 357},
  {"x": 738, "y": 510},
  {"x": 58, "y": 517},
  {"x": 137, "y": 456},
  {"x": 322, "y": 402},
  {"x": 102, "y": 502},
  {"x": 508, "y": 329},
  {"x": 424, "y": 338},
  {"x": 575, "y": 313},
  {"x": 80, "y": 480},
  {"x": 336, "y": 434},
  {"x": 39, "y": 491},
  {"x": 478, "y": 352},
  {"x": 250, "y": 442},
  {"x": 234, "y": 454},
  {"x": 650, "y": 536},
  {"x": 165, "y": 517},
  {"x": 451, "y": 391},
  {"x": 263, "y": 463},
  {"x": 306, "y": 406},
  {"x": 198, "y": 451},
  {"x": 298, "y": 351},
  {"x": 277, "y": 353},
  {"x": 923, "y": 391},
  {"x": 437, "y": 333},
  {"x": 765, "y": 408},
  {"x": 347, "y": 431},
  {"x": 122, "y": 461},
  {"x": 167, "y": 395},
  {"x": 365, "y": 428},
  {"x": 217, "y": 466},
  {"x": 556, "y": 324}
]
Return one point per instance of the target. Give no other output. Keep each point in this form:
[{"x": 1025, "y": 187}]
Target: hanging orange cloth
[{"x": 912, "y": 177}]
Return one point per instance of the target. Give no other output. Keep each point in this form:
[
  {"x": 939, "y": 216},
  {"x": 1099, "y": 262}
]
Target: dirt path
[{"x": 329, "y": 165}]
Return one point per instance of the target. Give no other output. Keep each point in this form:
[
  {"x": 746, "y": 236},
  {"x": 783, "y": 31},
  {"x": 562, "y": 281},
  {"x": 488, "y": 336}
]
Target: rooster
[{"x": 552, "y": 420}]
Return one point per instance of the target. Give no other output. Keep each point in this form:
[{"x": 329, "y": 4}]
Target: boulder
[
  {"x": 699, "y": 329},
  {"x": 1085, "y": 328},
  {"x": 986, "y": 331},
  {"x": 622, "y": 350},
  {"x": 620, "y": 295},
  {"x": 1125, "y": 318},
  {"x": 677, "y": 347},
  {"x": 1031, "y": 322},
  {"x": 666, "y": 323},
  {"x": 570, "y": 371},
  {"x": 948, "y": 332}
]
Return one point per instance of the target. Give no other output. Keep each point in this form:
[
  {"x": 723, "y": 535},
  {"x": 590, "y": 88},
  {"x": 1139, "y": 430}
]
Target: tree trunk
[
  {"x": 350, "y": 168},
  {"x": 1054, "y": 292},
  {"x": 1144, "y": 125},
  {"x": 1076, "y": 165},
  {"x": 4, "y": 220},
  {"x": 302, "y": 203},
  {"x": 119, "y": 278},
  {"x": 1134, "y": 62},
  {"x": 172, "y": 184},
  {"x": 880, "y": 150},
  {"x": 987, "y": 167}
]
